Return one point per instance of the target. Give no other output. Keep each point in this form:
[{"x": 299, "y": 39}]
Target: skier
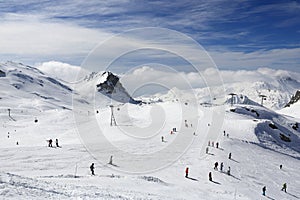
[
  {"x": 208, "y": 143},
  {"x": 216, "y": 166},
  {"x": 221, "y": 166},
  {"x": 217, "y": 144},
  {"x": 186, "y": 172},
  {"x": 110, "y": 160},
  {"x": 171, "y": 132},
  {"x": 212, "y": 144},
  {"x": 92, "y": 167},
  {"x": 280, "y": 166},
  {"x": 162, "y": 139},
  {"x": 264, "y": 190},
  {"x": 206, "y": 150},
  {"x": 224, "y": 133},
  {"x": 210, "y": 176},
  {"x": 56, "y": 142},
  {"x": 229, "y": 156},
  {"x": 284, "y": 187},
  {"x": 50, "y": 143},
  {"x": 227, "y": 135},
  {"x": 228, "y": 171}
]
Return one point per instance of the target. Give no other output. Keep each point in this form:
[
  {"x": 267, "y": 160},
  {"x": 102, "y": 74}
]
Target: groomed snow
[{"x": 31, "y": 170}]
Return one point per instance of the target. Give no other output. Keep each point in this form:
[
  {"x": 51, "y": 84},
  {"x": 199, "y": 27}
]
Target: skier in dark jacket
[
  {"x": 229, "y": 156},
  {"x": 284, "y": 187},
  {"x": 110, "y": 160},
  {"x": 50, "y": 143},
  {"x": 264, "y": 190},
  {"x": 56, "y": 142},
  {"x": 92, "y": 167},
  {"x": 216, "y": 166},
  {"x": 228, "y": 171},
  {"x": 210, "y": 176},
  {"x": 221, "y": 166}
]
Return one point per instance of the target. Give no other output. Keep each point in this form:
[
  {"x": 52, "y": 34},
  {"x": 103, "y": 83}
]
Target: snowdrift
[{"x": 273, "y": 130}]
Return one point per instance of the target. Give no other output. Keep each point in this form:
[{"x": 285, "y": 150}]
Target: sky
[{"x": 236, "y": 34}]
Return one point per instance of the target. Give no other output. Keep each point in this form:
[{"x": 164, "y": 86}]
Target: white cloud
[
  {"x": 170, "y": 79},
  {"x": 62, "y": 71},
  {"x": 146, "y": 80},
  {"x": 35, "y": 36}
]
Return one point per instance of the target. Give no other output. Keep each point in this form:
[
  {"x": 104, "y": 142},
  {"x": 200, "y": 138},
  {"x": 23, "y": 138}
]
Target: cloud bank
[{"x": 146, "y": 80}]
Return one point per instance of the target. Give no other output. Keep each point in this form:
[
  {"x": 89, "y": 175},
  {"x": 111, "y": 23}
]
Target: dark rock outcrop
[
  {"x": 110, "y": 86},
  {"x": 294, "y": 99}
]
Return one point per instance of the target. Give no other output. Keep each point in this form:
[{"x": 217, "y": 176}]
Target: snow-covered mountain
[
  {"x": 273, "y": 130},
  {"x": 241, "y": 99},
  {"x": 42, "y": 107},
  {"x": 108, "y": 84},
  {"x": 27, "y": 87},
  {"x": 278, "y": 92}
]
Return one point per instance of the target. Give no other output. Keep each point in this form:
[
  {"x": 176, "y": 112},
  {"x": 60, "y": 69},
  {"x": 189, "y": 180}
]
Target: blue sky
[{"x": 237, "y": 34}]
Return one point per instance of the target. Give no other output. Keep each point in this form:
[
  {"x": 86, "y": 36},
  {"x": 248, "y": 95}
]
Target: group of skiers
[
  {"x": 264, "y": 189},
  {"x": 213, "y": 144},
  {"x": 216, "y": 164},
  {"x": 224, "y": 134},
  {"x": 221, "y": 167},
  {"x": 173, "y": 131},
  {"x": 50, "y": 143},
  {"x": 284, "y": 186},
  {"x": 186, "y": 124},
  {"x": 209, "y": 174}
]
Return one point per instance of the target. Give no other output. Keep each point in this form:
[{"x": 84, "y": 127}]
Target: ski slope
[{"x": 31, "y": 170}]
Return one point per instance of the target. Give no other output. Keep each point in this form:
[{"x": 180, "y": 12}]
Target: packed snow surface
[{"x": 29, "y": 169}]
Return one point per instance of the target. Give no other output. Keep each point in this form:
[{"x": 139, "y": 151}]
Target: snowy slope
[
  {"x": 293, "y": 110},
  {"x": 31, "y": 170},
  {"x": 27, "y": 87},
  {"x": 272, "y": 130},
  {"x": 34, "y": 171}
]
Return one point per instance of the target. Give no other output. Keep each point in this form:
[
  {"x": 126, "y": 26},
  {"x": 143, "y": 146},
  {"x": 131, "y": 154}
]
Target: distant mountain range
[{"x": 31, "y": 87}]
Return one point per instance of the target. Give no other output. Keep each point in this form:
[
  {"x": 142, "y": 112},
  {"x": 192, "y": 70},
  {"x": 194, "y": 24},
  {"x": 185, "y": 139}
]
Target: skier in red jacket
[{"x": 186, "y": 172}]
